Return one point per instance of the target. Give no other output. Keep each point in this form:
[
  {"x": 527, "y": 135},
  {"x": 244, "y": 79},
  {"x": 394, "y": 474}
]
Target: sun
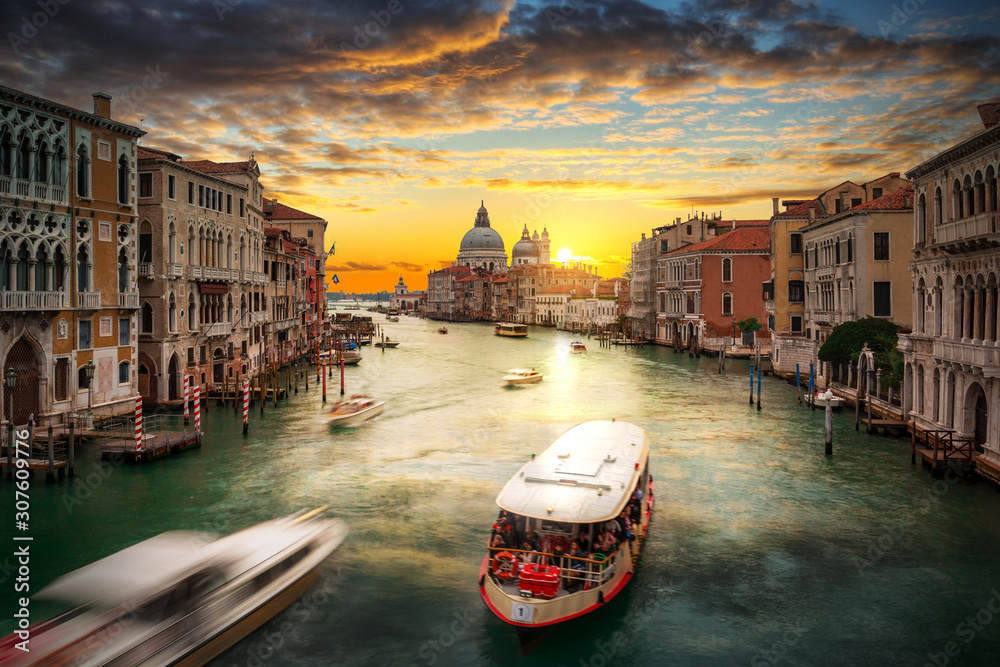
[{"x": 564, "y": 255}]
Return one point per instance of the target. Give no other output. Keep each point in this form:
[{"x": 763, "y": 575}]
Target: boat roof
[
  {"x": 586, "y": 475},
  {"x": 521, "y": 371}
]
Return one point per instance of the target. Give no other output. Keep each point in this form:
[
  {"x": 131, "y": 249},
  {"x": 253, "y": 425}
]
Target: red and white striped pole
[
  {"x": 323, "y": 373},
  {"x": 197, "y": 412},
  {"x": 138, "y": 423},
  {"x": 187, "y": 382},
  {"x": 246, "y": 406}
]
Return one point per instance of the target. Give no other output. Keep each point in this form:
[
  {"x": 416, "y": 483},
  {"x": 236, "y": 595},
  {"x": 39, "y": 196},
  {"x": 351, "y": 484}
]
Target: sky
[{"x": 597, "y": 120}]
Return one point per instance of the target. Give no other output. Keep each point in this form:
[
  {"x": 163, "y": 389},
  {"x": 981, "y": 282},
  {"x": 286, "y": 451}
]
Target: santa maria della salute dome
[{"x": 482, "y": 247}]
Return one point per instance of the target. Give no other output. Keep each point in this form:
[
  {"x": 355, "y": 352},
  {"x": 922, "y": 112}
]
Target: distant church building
[
  {"x": 482, "y": 246},
  {"x": 403, "y": 299}
]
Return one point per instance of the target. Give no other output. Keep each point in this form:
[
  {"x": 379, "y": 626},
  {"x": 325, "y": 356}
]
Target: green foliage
[
  {"x": 749, "y": 325},
  {"x": 846, "y": 341}
]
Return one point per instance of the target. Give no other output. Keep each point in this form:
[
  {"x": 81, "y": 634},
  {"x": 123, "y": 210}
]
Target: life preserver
[{"x": 504, "y": 565}]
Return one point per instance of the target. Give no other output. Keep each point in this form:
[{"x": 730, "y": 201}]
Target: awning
[{"x": 213, "y": 288}]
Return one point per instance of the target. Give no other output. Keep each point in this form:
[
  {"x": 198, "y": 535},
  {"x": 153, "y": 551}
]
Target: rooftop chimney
[
  {"x": 774, "y": 203},
  {"x": 990, "y": 113},
  {"x": 102, "y": 105},
  {"x": 843, "y": 201},
  {"x": 894, "y": 174},
  {"x": 812, "y": 214}
]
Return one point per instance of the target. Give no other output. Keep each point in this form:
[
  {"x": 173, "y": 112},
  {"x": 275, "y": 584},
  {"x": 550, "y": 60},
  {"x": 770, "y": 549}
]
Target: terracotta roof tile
[
  {"x": 276, "y": 211},
  {"x": 802, "y": 210},
  {"x": 209, "y": 167},
  {"x": 741, "y": 239},
  {"x": 898, "y": 200}
]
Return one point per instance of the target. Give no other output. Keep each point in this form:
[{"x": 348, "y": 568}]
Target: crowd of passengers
[{"x": 509, "y": 533}]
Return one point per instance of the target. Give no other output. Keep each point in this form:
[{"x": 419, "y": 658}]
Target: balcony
[
  {"x": 280, "y": 283},
  {"x": 32, "y": 301},
  {"x": 21, "y": 188},
  {"x": 88, "y": 300},
  {"x": 258, "y": 317},
  {"x": 981, "y": 356},
  {"x": 281, "y": 325},
  {"x": 145, "y": 269},
  {"x": 128, "y": 300},
  {"x": 219, "y": 329},
  {"x": 175, "y": 270},
  {"x": 970, "y": 233},
  {"x": 194, "y": 272}
]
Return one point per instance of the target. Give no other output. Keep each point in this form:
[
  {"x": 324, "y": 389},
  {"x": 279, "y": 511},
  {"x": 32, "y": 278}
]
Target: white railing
[
  {"x": 88, "y": 300},
  {"x": 175, "y": 270},
  {"x": 960, "y": 230},
  {"x": 194, "y": 272},
  {"x": 281, "y": 325},
  {"x": 128, "y": 299},
  {"x": 217, "y": 329},
  {"x": 19, "y": 187},
  {"x": 976, "y": 354},
  {"x": 32, "y": 301},
  {"x": 280, "y": 282},
  {"x": 260, "y": 278},
  {"x": 145, "y": 269}
]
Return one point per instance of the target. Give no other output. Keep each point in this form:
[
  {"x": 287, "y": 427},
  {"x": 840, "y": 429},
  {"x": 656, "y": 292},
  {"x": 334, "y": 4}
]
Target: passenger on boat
[
  {"x": 582, "y": 540},
  {"x": 531, "y": 537},
  {"x": 577, "y": 565},
  {"x": 530, "y": 554}
]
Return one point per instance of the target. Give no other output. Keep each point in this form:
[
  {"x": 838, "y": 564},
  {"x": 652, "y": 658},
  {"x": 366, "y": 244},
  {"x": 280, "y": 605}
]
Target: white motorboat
[
  {"x": 511, "y": 330},
  {"x": 577, "y": 347},
  {"x": 517, "y": 376},
  {"x": 824, "y": 398},
  {"x": 180, "y": 598},
  {"x": 578, "y": 491},
  {"x": 356, "y": 409}
]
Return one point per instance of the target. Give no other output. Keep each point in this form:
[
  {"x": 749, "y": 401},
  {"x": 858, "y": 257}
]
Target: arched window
[
  {"x": 172, "y": 314},
  {"x": 24, "y": 158},
  {"x": 172, "y": 244},
  {"x": 123, "y": 179},
  {"x": 727, "y": 270},
  {"x": 41, "y": 269},
  {"x": 147, "y": 318},
  {"x": 937, "y": 207},
  {"x": 727, "y": 303},
  {"x": 82, "y": 381},
  {"x": 836, "y": 251},
  {"x": 82, "y": 172},
  {"x": 922, "y": 219},
  {"x": 22, "y": 268},
  {"x": 850, "y": 248},
  {"x": 6, "y": 157},
  {"x": 123, "y": 270},
  {"x": 123, "y": 373},
  {"x": 59, "y": 272},
  {"x": 42, "y": 163},
  {"x": 145, "y": 242},
  {"x": 192, "y": 313},
  {"x": 82, "y": 269},
  {"x": 59, "y": 166},
  {"x": 5, "y": 253}
]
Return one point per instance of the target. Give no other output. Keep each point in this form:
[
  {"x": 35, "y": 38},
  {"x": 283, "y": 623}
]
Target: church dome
[
  {"x": 481, "y": 236},
  {"x": 525, "y": 248}
]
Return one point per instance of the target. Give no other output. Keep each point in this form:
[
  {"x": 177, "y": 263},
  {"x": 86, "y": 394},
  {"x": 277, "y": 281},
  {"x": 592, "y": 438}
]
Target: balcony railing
[
  {"x": 280, "y": 282},
  {"x": 194, "y": 272},
  {"x": 217, "y": 329},
  {"x": 175, "y": 270},
  {"x": 964, "y": 230},
  {"x": 19, "y": 187},
  {"x": 88, "y": 300},
  {"x": 259, "y": 316},
  {"x": 281, "y": 325},
  {"x": 145, "y": 269},
  {"x": 32, "y": 301},
  {"x": 128, "y": 300},
  {"x": 974, "y": 354}
]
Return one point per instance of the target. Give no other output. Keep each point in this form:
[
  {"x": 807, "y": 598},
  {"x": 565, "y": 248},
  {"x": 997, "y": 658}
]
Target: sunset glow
[
  {"x": 564, "y": 255},
  {"x": 595, "y": 119}
]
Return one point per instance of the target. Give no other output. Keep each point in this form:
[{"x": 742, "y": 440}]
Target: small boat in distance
[
  {"x": 577, "y": 347},
  {"x": 511, "y": 330},
  {"x": 179, "y": 598},
  {"x": 443, "y": 330},
  {"x": 386, "y": 343},
  {"x": 517, "y": 376},
  {"x": 572, "y": 524},
  {"x": 354, "y": 410}
]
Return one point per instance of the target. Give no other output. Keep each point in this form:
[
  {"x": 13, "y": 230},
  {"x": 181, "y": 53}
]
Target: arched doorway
[
  {"x": 977, "y": 414},
  {"x": 147, "y": 379},
  {"x": 24, "y": 360},
  {"x": 173, "y": 378}
]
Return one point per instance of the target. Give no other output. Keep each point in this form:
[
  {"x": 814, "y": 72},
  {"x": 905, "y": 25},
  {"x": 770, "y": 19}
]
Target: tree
[
  {"x": 846, "y": 341},
  {"x": 749, "y": 325}
]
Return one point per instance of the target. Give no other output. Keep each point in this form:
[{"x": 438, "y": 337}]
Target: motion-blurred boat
[
  {"x": 511, "y": 330},
  {"x": 180, "y": 598},
  {"x": 443, "y": 330},
  {"x": 386, "y": 343},
  {"x": 577, "y": 347},
  {"x": 356, "y": 409},
  {"x": 522, "y": 376}
]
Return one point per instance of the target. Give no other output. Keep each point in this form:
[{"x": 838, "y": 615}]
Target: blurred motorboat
[
  {"x": 180, "y": 598},
  {"x": 522, "y": 376},
  {"x": 356, "y": 409},
  {"x": 577, "y": 347}
]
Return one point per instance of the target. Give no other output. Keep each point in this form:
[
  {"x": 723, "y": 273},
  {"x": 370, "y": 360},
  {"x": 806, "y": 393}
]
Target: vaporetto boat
[
  {"x": 571, "y": 493},
  {"x": 180, "y": 598},
  {"x": 511, "y": 330}
]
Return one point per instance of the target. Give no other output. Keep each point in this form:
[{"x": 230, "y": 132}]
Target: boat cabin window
[
  {"x": 279, "y": 568},
  {"x": 560, "y": 527}
]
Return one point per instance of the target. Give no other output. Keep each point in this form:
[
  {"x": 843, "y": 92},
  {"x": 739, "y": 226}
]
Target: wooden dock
[
  {"x": 154, "y": 445},
  {"x": 37, "y": 464},
  {"x": 892, "y": 427}
]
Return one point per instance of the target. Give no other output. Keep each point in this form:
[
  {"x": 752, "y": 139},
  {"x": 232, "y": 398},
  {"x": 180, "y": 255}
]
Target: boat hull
[
  {"x": 356, "y": 418},
  {"x": 519, "y": 381}
]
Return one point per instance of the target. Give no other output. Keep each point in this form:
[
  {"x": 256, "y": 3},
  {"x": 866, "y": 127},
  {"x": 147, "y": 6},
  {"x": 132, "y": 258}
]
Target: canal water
[{"x": 762, "y": 551}]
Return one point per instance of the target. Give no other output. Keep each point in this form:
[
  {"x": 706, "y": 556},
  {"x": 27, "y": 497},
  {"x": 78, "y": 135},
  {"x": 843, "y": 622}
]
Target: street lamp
[
  {"x": 89, "y": 369},
  {"x": 11, "y": 380}
]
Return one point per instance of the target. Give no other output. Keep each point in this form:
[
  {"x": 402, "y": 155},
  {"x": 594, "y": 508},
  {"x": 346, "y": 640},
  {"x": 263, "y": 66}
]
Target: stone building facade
[
  {"x": 952, "y": 357},
  {"x": 67, "y": 251}
]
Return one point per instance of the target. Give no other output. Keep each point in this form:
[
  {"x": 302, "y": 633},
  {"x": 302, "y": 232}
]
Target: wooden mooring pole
[
  {"x": 50, "y": 474},
  {"x": 751, "y": 385},
  {"x": 829, "y": 427},
  {"x": 71, "y": 452},
  {"x": 759, "y": 373},
  {"x": 798, "y": 383}
]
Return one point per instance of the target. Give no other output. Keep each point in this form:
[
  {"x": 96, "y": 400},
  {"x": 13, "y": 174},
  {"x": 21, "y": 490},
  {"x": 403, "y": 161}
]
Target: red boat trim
[{"x": 607, "y": 598}]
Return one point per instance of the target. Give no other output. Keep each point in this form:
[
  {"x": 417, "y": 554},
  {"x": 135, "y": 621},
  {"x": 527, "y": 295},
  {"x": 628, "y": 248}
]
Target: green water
[{"x": 755, "y": 551}]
